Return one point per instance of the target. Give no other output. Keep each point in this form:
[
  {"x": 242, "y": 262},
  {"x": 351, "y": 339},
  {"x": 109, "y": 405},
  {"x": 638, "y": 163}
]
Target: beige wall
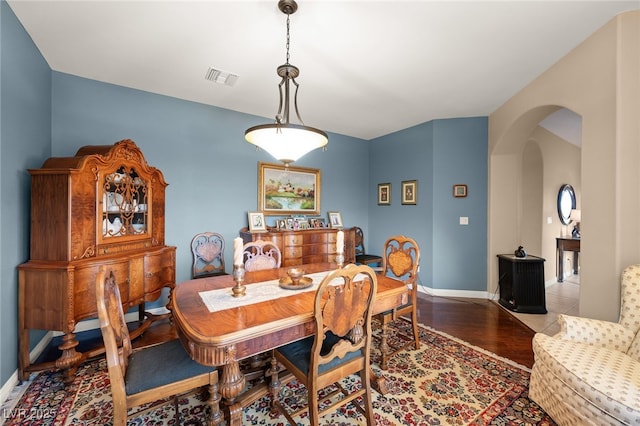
[
  {"x": 562, "y": 164},
  {"x": 598, "y": 80}
]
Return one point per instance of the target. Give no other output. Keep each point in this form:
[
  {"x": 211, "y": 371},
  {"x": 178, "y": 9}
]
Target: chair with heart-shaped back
[
  {"x": 400, "y": 260},
  {"x": 207, "y": 249}
]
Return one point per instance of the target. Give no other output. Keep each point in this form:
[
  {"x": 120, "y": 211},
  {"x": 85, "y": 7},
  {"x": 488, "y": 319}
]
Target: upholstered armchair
[{"x": 589, "y": 372}]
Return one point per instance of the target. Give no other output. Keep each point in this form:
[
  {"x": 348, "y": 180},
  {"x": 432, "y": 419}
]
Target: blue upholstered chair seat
[
  {"x": 160, "y": 365},
  {"x": 299, "y": 353}
]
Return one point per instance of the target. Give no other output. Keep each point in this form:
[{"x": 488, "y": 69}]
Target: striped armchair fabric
[{"x": 589, "y": 373}]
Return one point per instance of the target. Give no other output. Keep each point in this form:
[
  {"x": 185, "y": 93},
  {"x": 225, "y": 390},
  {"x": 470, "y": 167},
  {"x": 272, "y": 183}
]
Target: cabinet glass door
[{"x": 125, "y": 208}]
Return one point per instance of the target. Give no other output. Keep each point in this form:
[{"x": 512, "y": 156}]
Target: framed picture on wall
[
  {"x": 335, "y": 220},
  {"x": 409, "y": 192},
  {"x": 459, "y": 190},
  {"x": 384, "y": 194},
  {"x": 288, "y": 190}
]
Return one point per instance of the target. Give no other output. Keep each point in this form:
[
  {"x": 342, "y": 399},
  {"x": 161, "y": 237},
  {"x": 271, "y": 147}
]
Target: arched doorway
[{"x": 527, "y": 168}]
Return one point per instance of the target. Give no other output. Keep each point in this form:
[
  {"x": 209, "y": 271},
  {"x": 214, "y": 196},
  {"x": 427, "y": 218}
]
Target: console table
[{"x": 566, "y": 244}]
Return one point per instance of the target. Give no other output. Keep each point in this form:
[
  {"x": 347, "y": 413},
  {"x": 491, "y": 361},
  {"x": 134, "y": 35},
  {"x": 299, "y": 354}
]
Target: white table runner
[{"x": 221, "y": 299}]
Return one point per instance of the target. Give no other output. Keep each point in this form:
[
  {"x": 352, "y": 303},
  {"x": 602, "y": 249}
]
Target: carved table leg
[
  {"x": 69, "y": 359},
  {"x": 274, "y": 383},
  {"x": 384, "y": 346},
  {"x": 231, "y": 384},
  {"x": 214, "y": 403}
]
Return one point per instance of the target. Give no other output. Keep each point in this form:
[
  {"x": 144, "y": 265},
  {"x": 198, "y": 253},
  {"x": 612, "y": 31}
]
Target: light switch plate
[{"x": 464, "y": 220}]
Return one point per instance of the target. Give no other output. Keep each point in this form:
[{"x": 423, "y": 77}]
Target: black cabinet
[{"x": 521, "y": 282}]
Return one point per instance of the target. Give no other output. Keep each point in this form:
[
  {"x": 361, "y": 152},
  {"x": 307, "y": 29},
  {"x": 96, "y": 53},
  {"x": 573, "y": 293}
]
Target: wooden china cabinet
[
  {"x": 306, "y": 246},
  {"x": 104, "y": 206}
]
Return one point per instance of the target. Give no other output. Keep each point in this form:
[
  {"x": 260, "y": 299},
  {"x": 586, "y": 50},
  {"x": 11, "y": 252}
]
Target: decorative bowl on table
[
  {"x": 295, "y": 274},
  {"x": 295, "y": 279}
]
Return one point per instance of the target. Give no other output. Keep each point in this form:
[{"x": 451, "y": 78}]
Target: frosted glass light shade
[{"x": 286, "y": 142}]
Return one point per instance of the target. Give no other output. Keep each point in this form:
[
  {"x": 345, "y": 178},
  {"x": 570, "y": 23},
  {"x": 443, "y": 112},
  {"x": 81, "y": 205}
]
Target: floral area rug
[{"x": 446, "y": 382}]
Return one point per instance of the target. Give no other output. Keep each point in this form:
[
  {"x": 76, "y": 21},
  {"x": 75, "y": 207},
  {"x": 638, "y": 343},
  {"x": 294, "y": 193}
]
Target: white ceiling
[{"x": 367, "y": 68}]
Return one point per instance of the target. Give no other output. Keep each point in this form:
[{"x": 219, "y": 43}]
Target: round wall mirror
[{"x": 566, "y": 203}]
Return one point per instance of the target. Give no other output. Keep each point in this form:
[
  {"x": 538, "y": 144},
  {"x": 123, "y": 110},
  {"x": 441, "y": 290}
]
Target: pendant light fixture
[{"x": 285, "y": 141}]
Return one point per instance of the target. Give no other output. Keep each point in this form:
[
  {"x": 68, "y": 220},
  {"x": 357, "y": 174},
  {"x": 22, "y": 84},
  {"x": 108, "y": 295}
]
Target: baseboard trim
[{"x": 472, "y": 294}]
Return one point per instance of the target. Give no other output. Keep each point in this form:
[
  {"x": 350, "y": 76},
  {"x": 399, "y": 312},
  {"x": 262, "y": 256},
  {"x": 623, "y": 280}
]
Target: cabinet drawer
[
  {"x": 314, "y": 249},
  {"x": 332, "y": 237},
  {"x": 292, "y": 252},
  {"x": 84, "y": 285},
  {"x": 292, "y": 261},
  {"x": 293, "y": 240},
  {"x": 316, "y": 258},
  {"x": 315, "y": 237},
  {"x": 159, "y": 272}
]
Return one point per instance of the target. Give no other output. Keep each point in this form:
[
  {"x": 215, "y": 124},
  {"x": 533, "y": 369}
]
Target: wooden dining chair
[
  {"x": 401, "y": 259},
  {"x": 207, "y": 250},
  {"x": 340, "y": 346},
  {"x": 261, "y": 254},
  {"x": 149, "y": 374},
  {"x": 361, "y": 256}
]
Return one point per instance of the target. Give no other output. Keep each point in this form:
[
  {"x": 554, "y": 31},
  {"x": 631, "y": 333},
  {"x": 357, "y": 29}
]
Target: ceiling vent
[{"x": 221, "y": 77}]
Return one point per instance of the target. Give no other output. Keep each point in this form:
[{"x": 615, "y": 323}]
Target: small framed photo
[
  {"x": 335, "y": 220},
  {"x": 256, "y": 222},
  {"x": 410, "y": 192},
  {"x": 384, "y": 194},
  {"x": 459, "y": 190}
]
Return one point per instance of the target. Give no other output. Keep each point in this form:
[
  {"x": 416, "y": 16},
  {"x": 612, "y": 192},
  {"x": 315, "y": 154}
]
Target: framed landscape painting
[{"x": 288, "y": 190}]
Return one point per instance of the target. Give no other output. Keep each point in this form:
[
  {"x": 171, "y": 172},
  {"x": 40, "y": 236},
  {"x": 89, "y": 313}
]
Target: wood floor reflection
[{"x": 479, "y": 322}]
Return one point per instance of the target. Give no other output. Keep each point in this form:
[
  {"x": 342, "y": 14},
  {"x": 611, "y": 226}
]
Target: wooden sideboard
[
  {"x": 566, "y": 244},
  {"x": 104, "y": 206},
  {"x": 306, "y": 246}
]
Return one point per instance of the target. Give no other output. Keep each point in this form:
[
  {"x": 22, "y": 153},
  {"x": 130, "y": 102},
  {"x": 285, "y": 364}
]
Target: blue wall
[
  {"x": 25, "y": 139},
  {"x": 437, "y": 154},
  {"x": 212, "y": 171},
  {"x": 460, "y": 251},
  {"x": 400, "y": 156}
]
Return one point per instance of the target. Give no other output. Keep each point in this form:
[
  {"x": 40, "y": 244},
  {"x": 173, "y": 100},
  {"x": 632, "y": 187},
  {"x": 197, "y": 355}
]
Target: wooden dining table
[{"x": 239, "y": 330}]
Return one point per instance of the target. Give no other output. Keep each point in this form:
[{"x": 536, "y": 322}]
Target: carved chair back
[
  {"x": 207, "y": 249},
  {"x": 361, "y": 256},
  {"x": 341, "y": 345},
  {"x": 401, "y": 259},
  {"x": 261, "y": 254},
  {"x": 150, "y": 374}
]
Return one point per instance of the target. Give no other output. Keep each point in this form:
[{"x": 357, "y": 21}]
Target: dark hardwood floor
[{"x": 480, "y": 322}]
